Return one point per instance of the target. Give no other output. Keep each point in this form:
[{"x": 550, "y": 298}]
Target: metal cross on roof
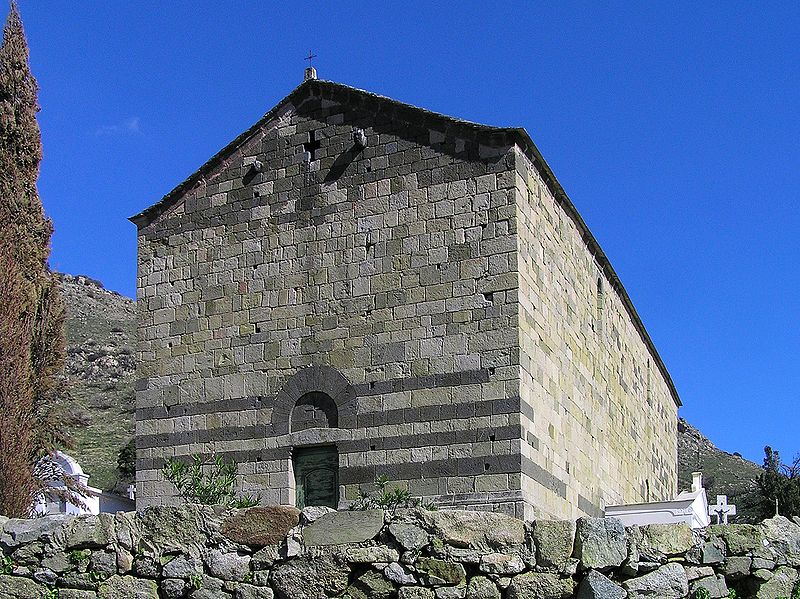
[{"x": 311, "y": 56}]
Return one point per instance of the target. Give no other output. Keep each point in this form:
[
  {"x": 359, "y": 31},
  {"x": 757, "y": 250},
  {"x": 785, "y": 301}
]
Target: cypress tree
[{"x": 31, "y": 310}]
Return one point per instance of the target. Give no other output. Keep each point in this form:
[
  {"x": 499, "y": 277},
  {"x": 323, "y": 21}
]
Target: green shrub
[
  {"x": 208, "y": 482},
  {"x": 387, "y": 499}
]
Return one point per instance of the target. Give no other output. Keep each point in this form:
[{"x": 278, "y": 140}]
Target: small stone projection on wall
[{"x": 264, "y": 552}]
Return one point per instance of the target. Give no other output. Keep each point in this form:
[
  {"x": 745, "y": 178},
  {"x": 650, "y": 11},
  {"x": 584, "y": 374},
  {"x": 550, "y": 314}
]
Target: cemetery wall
[{"x": 265, "y": 552}]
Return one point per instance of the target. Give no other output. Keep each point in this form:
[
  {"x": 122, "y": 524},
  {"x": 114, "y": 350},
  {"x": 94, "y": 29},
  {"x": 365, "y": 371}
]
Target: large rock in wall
[{"x": 201, "y": 552}]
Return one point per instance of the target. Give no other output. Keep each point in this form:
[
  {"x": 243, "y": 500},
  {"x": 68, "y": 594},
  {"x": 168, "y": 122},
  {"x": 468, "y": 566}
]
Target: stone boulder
[
  {"x": 480, "y": 587},
  {"x": 667, "y": 582},
  {"x": 714, "y": 584},
  {"x": 440, "y": 572},
  {"x": 260, "y": 526},
  {"x": 784, "y": 536},
  {"x": 176, "y": 529},
  {"x": 780, "y": 584},
  {"x": 487, "y": 531},
  {"x": 553, "y": 541},
  {"x": 338, "y": 528},
  {"x": 20, "y": 531},
  {"x": 598, "y": 586},
  {"x": 127, "y": 587},
  {"x": 90, "y": 531},
  {"x": 668, "y": 539},
  {"x": 739, "y": 538},
  {"x": 600, "y": 543},
  {"x": 310, "y": 578},
  {"x": 500, "y": 563},
  {"x": 370, "y": 585},
  {"x": 410, "y": 536},
  {"x": 228, "y": 565},
  {"x": 12, "y": 587},
  {"x": 415, "y": 593},
  {"x": 540, "y": 585}
]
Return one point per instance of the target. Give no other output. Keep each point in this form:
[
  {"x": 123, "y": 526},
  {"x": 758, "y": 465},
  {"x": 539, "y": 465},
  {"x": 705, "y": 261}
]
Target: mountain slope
[
  {"x": 100, "y": 370},
  {"x": 723, "y": 473}
]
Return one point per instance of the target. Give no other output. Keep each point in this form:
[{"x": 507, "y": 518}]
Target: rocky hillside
[
  {"x": 101, "y": 334},
  {"x": 723, "y": 473}
]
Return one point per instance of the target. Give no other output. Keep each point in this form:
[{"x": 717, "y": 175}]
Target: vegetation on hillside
[
  {"x": 31, "y": 309},
  {"x": 779, "y": 486}
]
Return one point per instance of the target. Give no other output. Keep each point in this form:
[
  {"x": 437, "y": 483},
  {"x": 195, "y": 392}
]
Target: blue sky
[{"x": 673, "y": 126}]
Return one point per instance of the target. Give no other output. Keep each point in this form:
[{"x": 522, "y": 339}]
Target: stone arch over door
[{"x": 320, "y": 387}]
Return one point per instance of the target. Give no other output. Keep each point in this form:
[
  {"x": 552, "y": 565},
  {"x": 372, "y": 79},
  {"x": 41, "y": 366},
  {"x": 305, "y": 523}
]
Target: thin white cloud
[{"x": 127, "y": 127}]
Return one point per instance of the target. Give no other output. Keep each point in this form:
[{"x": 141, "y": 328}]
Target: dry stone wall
[{"x": 267, "y": 552}]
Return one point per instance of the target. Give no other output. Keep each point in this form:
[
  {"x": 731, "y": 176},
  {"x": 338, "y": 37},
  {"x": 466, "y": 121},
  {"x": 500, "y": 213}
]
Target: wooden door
[{"x": 316, "y": 475}]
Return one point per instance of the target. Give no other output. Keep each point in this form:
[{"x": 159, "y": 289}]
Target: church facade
[{"x": 355, "y": 287}]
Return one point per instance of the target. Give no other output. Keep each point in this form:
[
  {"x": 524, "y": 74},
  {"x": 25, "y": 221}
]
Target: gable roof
[{"x": 484, "y": 134}]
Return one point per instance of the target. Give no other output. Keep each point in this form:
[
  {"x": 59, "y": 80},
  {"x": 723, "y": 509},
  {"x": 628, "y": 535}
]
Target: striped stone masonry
[{"x": 419, "y": 297}]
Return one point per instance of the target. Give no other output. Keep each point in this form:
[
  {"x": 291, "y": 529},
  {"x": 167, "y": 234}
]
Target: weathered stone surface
[
  {"x": 265, "y": 557},
  {"x": 553, "y": 540},
  {"x": 312, "y": 513},
  {"x": 540, "y": 585},
  {"x": 715, "y": 585},
  {"x": 712, "y": 552},
  {"x": 13, "y": 587},
  {"x": 176, "y": 529},
  {"x": 596, "y": 585},
  {"x": 339, "y": 528},
  {"x": 476, "y": 530},
  {"x": 371, "y": 584},
  {"x": 737, "y": 567},
  {"x": 127, "y": 587},
  {"x": 415, "y": 593},
  {"x": 450, "y": 592},
  {"x": 441, "y": 572},
  {"x": 784, "y": 536},
  {"x": 173, "y": 588},
  {"x": 228, "y": 566},
  {"x": 248, "y": 591},
  {"x": 500, "y": 563},
  {"x": 410, "y": 536},
  {"x": 780, "y": 584},
  {"x": 480, "y": 587},
  {"x": 91, "y": 531},
  {"x": 260, "y": 526},
  {"x": 17, "y": 531},
  {"x": 600, "y": 543},
  {"x": 183, "y": 566},
  {"x": 397, "y": 574},
  {"x": 374, "y": 553},
  {"x": 310, "y": 578},
  {"x": 668, "y": 582},
  {"x": 739, "y": 538},
  {"x": 669, "y": 539},
  {"x": 76, "y": 594}
]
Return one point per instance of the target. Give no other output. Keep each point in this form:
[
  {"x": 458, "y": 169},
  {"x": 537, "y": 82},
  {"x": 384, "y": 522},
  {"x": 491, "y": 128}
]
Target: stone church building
[{"x": 356, "y": 287}]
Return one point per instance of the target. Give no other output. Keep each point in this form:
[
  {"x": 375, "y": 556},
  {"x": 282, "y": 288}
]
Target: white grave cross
[{"x": 722, "y": 510}]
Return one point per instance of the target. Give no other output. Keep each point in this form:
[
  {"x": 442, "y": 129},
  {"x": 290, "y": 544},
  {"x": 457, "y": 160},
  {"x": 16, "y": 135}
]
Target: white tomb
[
  {"x": 95, "y": 501},
  {"x": 689, "y": 507}
]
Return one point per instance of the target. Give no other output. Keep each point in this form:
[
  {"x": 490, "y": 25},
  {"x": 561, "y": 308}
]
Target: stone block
[
  {"x": 339, "y": 528},
  {"x": 600, "y": 543},
  {"x": 260, "y": 526},
  {"x": 540, "y": 585}
]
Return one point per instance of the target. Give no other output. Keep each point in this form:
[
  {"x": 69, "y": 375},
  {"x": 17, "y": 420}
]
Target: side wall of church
[
  {"x": 393, "y": 265},
  {"x": 598, "y": 418}
]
